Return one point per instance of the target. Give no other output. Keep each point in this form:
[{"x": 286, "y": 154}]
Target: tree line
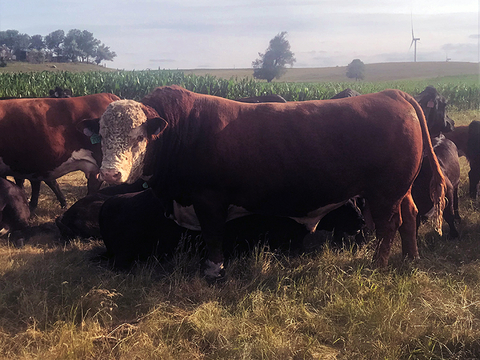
[
  {"x": 76, "y": 45},
  {"x": 271, "y": 64}
]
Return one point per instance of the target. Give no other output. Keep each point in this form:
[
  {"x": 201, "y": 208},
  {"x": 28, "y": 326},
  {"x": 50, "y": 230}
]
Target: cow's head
[
  {"x": 124, "y": 132},
  {"x": 433, "y": 105}
]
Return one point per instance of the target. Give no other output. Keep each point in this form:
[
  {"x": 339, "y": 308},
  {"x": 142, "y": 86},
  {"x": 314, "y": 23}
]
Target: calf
[
  {"x": 446, "y": 152},
  {"x": 467, "y": 140},
  {"x": 14, "y": 210}
]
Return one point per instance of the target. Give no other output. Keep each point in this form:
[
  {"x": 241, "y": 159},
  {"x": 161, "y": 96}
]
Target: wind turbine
[{"x": 414, "y": 41}]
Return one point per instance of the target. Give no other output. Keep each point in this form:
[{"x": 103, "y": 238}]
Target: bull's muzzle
[{"x": 111, "y": 176}]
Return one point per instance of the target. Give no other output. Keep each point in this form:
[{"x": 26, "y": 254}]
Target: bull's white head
[{"x": 125, "y": 132}]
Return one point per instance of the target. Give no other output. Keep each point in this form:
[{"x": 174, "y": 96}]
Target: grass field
[{"x": 58, "y": 301}]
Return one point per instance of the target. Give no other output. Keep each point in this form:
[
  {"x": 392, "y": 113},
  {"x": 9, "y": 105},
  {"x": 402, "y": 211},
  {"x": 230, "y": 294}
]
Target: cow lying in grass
[{"x": 14, "y": 210}]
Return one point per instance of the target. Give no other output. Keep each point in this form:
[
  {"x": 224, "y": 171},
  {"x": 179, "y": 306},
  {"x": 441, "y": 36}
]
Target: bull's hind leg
[
  {"x": 387, "y": 220},
  {"x": 408, "y": 228}
]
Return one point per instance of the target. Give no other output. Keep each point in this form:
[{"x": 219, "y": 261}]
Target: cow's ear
[
  {"x": 155, "y": 126},
  {"x": 91, "y": 129}
]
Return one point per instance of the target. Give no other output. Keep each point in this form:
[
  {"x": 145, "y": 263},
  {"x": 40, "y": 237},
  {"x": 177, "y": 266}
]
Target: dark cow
[
  {"x": 14, "y": 210},
  {"x": 295, "y": 159},
  {"x": 446, "y": 152},
  {"x": 263, "y": 99},
  {"x": 467, "y": 140},
  {"x": 346, "y": 93},
  {"x": 433, "y": 105},
  {"x": 39, "y": 140},
  {"x": 81, "y": 219},
  {"x": 133, "y": 227}
]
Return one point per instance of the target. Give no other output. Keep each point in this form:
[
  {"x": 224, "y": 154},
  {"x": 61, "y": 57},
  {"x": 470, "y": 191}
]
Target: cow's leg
[
  {"x": 449, "y": 211},
  {"x": 35, "y": 194},
  {"x": 409, "y": 226},
  {"x": 93, "y": 183},
  {"x": 387, "y": 220},
  {"x": 52, "y": 184},
  {"x": 455, "y": 205},
  {"x": 474, "y": 178},
  {"x": 212, "y": 216}
]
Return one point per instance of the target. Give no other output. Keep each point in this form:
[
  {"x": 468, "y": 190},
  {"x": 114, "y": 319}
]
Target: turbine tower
[{"x": 414, "y": 41}]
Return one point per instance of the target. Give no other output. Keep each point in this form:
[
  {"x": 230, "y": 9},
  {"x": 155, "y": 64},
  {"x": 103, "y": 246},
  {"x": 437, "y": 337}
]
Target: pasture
[{"x": 61, "y": 301}]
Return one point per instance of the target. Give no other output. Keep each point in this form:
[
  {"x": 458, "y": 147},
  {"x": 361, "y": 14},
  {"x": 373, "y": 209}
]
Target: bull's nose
[{"x": 111, "y": 176}]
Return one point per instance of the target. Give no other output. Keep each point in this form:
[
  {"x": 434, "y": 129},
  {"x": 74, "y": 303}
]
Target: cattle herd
[{"x": 235, "y": 172}]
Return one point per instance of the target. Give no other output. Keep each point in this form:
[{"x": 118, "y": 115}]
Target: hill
[
  {"x": 19, "y": 66},
  {"x": 373, "y": 72}
]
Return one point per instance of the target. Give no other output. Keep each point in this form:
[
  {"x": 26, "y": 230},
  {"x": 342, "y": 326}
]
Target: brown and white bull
[
  {"x": 296, "y": 159},
  {"x": 39, "y": 140}
]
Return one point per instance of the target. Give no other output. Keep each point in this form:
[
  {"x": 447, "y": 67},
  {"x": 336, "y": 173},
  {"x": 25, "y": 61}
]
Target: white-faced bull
[{"x": 296, "y": 159}]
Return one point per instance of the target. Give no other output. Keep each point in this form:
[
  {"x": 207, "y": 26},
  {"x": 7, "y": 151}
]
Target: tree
[
  {"x": 356, "y": 70},
  {"x": 88, "y": 45},
  {"x": 54, "y": 41},
  {"x": 71, "y": 45},
  {"x": 271, "y": 65},
  {"x": 37, "y": 43},
  {"x": 104, "y": 53}
]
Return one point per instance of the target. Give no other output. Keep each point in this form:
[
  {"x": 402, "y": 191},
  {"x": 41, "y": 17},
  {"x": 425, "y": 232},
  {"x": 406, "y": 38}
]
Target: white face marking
[{"x": 124, "y": 141}]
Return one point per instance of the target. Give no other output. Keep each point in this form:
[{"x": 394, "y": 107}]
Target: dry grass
[{"x": 60, "y": 302}]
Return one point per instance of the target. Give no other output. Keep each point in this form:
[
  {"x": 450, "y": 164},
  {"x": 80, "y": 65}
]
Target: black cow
[
  {"x": 133, "y": 227},
  {"x": 263, "y": 99},
  {"x": 434, "y": 107},
  {"x": 81, "y": 219},
  {"x": 14, "y": 210},
  {"x": 467, "y": 140}
]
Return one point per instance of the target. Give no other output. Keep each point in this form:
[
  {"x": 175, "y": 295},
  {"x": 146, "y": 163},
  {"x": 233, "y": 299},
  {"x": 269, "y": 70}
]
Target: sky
[{"x": 193, "y": 34}]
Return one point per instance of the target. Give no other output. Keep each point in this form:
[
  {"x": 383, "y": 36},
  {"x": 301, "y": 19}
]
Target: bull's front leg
[{"x": 211, "y": 211}]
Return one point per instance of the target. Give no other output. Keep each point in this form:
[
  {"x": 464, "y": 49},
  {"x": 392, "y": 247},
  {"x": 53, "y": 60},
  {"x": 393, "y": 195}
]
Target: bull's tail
[{"x": 437, "y": 183}]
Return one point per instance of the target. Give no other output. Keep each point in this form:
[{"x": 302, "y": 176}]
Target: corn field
[{"x": 462, "y": 93}]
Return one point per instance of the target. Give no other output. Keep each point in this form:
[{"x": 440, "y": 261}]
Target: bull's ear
[
  {"x": 155, "y": 126},
  {"x": 90, "y": 128}
]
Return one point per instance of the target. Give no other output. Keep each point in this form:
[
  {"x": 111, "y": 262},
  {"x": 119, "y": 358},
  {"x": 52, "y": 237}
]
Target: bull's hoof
[{"x": 214, "y": 272}]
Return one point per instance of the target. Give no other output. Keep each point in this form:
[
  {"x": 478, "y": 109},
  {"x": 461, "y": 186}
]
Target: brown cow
[
  {"x": 39, "y": 140},
  {"x": 296, "y": 159},
  {"x": 57, "y": 93},
  {"x": 467, "y": 140}
]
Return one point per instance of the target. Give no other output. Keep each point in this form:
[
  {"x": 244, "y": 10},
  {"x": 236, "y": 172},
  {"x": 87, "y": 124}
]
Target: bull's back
[{"x": 323, "y": 151}]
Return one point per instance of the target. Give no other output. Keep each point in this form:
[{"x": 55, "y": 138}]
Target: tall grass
[{"x": 462, "y": 92}]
